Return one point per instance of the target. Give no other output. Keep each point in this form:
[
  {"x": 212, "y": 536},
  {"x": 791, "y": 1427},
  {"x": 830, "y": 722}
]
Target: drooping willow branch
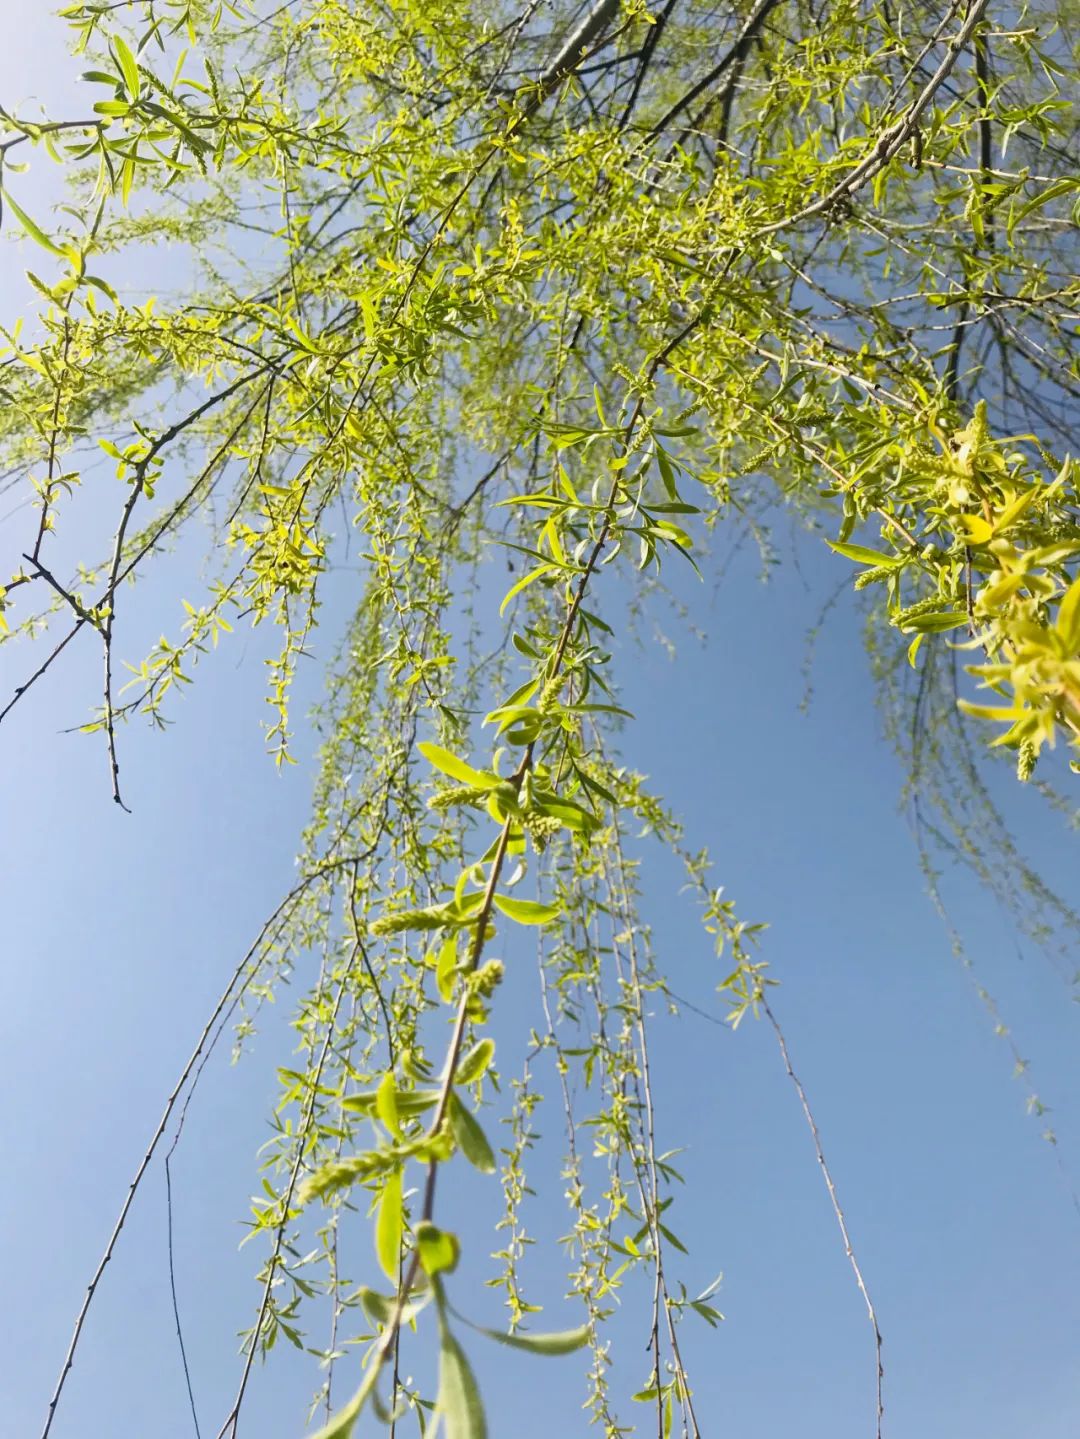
[{"x": 452, "y": 242}]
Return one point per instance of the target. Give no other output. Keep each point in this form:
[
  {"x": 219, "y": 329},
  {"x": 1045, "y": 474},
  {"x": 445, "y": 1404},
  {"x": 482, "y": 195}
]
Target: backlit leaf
[
  {"x": 527, "y": 911},
  {"x": 389, "y": 1226}
]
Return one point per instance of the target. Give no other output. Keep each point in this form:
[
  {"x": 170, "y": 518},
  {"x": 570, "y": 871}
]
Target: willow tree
[{"x": 598, "y": 284}]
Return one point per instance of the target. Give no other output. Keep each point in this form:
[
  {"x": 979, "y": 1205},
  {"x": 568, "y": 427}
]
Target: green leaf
[
  {"x": 438, "y": 1249},
  {"x": 445, "y": 970},
  {"x": 379, "y": 1307},
  {"x": 862, "y": 556},
  {"x": 128, "y": 66},
  {"x": 973, "y": 529},
  {"x": 386, "y": 1104},
  {"x": 459, "y": 1402},
  {"x": 667, "y": 473},
  {"x": 1052, "y": 192},
  {"x": 341, "y": 1425},
  {"x": 936, "y": 622},
  {"x": 538, "y": 573},
  {"x": 390, "y": 1226},
  {"x": 998, "y": 713},
  {"x": 527, "y": 911},
  {"x": 476, "y": 1062},
  {"x": 470, "y": 1138},
  {"x": 565, "y": 1341},
  {"x": 102, "y": 285},
  {"x": 456, "y": 768},
  {"x": 711, "y": 1316},
  {"x": 408, "y": 1102},
  {"x": 573, "y": 815},
  {"x": 1068, "y": 616},
  {"x": 376, "y": 1306},
  {"x": 672, "y": 1238},
  {"x": 34, "y": 231}
]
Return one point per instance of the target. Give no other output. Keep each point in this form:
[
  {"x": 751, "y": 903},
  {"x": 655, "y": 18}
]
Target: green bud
[
  {"x": 456, "y": 796},
  {"x": 487, "y": 978},
  {"x": 549, "y": 695},
  {"x": 928, "y": 606},
  {"x": 874, "y": 575},
  {"x": 1026, "y": 759}
]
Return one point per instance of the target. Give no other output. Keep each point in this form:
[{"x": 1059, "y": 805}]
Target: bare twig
[
  {"x": 172, "y": 1291},
  {"x": 108, "y": 601},
  {"x": 229, "y": 1426},
  {"x": 835, "y": 1202},
  {"x": 233, "y": 991}
]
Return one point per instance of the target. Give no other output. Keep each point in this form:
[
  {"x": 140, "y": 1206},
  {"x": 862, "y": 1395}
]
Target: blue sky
[{"x": 120, "y": 931}]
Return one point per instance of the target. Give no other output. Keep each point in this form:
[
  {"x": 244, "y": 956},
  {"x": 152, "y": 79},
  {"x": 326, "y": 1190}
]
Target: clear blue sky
[{"x": 120, "y": 930}]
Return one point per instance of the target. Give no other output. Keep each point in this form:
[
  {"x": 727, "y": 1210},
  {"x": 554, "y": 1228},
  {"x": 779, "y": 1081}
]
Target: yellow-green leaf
[
  {"x": 1013, "y": 510},
  {"x": 997, "y": 713},
  {"x": 33, "y": 230},
  {"x": 341, "y": 1425},
  {"x": 445, "y": 969},
  {"x": 566, "y": 1341},
  {"x": 389, "y": 1226},
  {"x": 476, "y": 1062},
  {"x": 538, "y": 573},
  {"x": 863, "y": 556},
  {"x": 386, "y": 1104},
  {"x": 527, "y": 911},
  {"x": 1068, "y": 616},
  {"x": 973, "y": 529},
  {"x": 456, "y": 768},
  {"x": 438, "y": 1249},
  {"x": 459, "y": 1402},
  {"x": 470, "y": 1138},
  {"x": 128, "y": 66}
]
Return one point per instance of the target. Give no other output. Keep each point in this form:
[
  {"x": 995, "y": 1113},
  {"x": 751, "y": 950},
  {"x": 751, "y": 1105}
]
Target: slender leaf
[
  {"x": 33, "y": 230},
  {"x": 470, "y": 1138},
  {"x": 390, "y": 1226},
  {"x": 459, "y": 1403},
  {"x": 527, "y": 911},
  {"x": 456, "y": 768}
]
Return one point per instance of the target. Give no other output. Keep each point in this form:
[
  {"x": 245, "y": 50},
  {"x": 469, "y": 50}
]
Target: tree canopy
[{"x": 604, "y": 286}]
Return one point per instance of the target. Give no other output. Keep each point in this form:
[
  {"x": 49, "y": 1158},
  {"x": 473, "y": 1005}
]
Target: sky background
[{"x": 120, "y": 931}]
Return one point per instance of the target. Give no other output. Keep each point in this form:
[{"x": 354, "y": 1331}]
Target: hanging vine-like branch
[{"x": 593, "y": 284}]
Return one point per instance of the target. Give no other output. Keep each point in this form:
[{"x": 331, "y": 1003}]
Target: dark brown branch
[
  {"x": 109, "y": 598},
  {"x": 750, "y": 28},
  {"x": 42, "y": 669},
  {"x": 986, "y": 166},
  {"x": 648, "y": 49},
  {"x": 80, "y": 610},
  {"x": 894, "y": 136}
]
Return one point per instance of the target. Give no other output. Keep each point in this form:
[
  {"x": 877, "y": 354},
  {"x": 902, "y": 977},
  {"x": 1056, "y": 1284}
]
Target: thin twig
[
  {"x": 894, "y": 136},
  {"x": 233, "y": 1418},
  {"x": 175, "y": 1302},
  {"x": 835, "y": 1202},
  {"x": 109, "y": 599},
  {"x": 231, "y": 990}
]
